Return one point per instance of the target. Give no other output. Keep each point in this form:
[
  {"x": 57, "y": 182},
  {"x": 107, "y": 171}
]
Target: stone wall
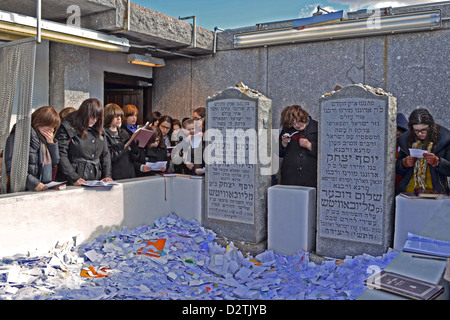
[{"x": 411, "y": 66}]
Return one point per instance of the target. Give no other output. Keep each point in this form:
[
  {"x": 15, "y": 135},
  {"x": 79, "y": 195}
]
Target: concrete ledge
[
  {"x": 35, "y": 222},
  {"x": 291, "y": 219},
  {"x": 411, "y": 215}
]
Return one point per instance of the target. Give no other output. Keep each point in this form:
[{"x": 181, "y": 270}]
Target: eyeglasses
[
  {"x": 198, "y": 118},
  {"x": 423, "y": 131}
]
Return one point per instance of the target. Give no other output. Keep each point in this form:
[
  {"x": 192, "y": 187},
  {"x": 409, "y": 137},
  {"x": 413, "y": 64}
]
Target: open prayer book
[
  {"x": 429, "y": 246},
  {"x": 99, "y": 183},
  {"x": 289, "y": 135},
  {"x": 141, "y": 136}
]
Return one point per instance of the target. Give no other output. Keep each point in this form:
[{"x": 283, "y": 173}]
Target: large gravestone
[
  {"x": 357, "y": 134},
  {"x": 238, "y": 129}
]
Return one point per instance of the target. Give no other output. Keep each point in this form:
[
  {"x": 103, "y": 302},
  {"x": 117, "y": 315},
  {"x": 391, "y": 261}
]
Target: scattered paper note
[
  {"x": 417, "y": 153},
  {"x": 178, "y": 259},
  {"x": 157, "y": 166}
]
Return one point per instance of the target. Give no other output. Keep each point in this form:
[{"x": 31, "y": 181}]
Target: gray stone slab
[
  {"x": 356, "y": 172},
  {"x": 236, "y": 182},
  {"x": 69, "y": 75}
]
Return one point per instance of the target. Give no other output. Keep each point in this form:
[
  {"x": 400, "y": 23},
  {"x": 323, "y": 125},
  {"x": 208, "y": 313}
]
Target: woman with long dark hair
[
  {"x": 428, "y": 173},
  {"x": 83, "y": 150}
]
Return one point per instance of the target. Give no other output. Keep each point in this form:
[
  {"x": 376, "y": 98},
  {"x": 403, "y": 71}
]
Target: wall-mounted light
[
  {"x": 319, "y": 19},
  {"x": 145, "y": 60},
  {"x": 346, "y": 29},
  {"x": 25, "y": 26}
]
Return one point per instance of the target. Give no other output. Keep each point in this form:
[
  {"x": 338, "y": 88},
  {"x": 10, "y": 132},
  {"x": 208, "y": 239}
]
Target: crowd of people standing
[{"x": 90, "y": 143}]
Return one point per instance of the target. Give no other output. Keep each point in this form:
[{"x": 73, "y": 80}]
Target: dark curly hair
[{"x": 422, "y": 116}]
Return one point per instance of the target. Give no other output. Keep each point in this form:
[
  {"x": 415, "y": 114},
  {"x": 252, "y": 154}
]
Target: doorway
[{"x": 124, "y": 89}]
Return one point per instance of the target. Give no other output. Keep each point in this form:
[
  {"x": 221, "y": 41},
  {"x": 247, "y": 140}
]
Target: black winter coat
[
  {"x": 122, "y": 160},
  {"x": 86, "y": 158},
  {"x": 299, "y": 165},
  {"x": 438, "y": 174},
  {"x": 34, "y": 160},
  {"x": 150, "y": 155}
]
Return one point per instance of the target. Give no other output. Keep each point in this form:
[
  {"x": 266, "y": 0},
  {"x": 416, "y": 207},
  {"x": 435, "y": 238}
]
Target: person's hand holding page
[
  {"x": 79, "y": 182},
  {"x": 189, "y": 165},
  {"x": 409, "y": 161},
  {"x": 431, "y": 158},
  {"x": 285, "y": 139},
  {"x": 40, "y": 187}
]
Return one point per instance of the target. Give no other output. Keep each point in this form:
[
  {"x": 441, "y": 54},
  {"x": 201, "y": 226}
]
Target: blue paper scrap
[{"x": 191, "y": 266}]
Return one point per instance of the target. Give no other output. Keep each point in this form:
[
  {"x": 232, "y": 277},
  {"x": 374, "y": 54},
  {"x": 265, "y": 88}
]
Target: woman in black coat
[
  {"x": 430, "y": 172},
  {"x": 154, "y": 151},
  {"x": 83, "y": 150},
  {"x": 298, "y": 147},
  {"x": 122, "y": 159},
  {"x": 43, "y": 152}
]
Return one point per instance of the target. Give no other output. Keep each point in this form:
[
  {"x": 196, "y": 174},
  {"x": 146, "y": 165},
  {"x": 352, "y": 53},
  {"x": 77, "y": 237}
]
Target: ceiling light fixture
[
  {"x": 428, "y": 20},
  {"x": 319, "y": 19},
  {"x": 25, "y": 26},
  {"x": 145, "y": 60}
]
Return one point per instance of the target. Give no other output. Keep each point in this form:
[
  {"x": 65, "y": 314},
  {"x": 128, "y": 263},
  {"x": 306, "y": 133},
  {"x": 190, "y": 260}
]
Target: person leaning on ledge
[{"x": 430, "y": 172}]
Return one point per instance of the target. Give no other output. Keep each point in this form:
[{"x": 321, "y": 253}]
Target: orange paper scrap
[
  {"x": 158, "y": 245},
  {"x": 91, "y": 273},
  {"x": 257, "y": 263}
]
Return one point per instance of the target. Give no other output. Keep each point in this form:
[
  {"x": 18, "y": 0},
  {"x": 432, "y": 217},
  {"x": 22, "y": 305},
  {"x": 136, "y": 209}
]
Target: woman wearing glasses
[
  {"x": 298, "y": 147},
  {"x": 429, "y": 173}
]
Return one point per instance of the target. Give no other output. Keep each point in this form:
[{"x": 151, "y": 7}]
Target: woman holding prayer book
[
  {"x": 154, "y": 151},
  {"x": 298, "y": 147},
  {"x": 43, "y": 152},
  {"x": 428, "y": 173},
  {"x": 122, "y": 159},
  {"x": 83, "y": 149}
]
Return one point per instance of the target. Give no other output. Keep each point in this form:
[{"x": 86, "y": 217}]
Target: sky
[{"x": 231, "y": 14}]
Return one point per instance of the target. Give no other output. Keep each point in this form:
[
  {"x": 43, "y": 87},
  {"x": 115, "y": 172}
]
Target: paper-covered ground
[{"x": 179, "y": 259}]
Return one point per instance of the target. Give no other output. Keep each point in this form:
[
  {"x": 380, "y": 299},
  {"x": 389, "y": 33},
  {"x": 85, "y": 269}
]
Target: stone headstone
[
  {"x": 238, "y": 126},
  {"x": 357, "y": 134}
]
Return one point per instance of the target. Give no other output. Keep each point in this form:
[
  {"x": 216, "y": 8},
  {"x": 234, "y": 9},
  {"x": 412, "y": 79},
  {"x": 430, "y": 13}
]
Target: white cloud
[{"x": 362, "y": 4}]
